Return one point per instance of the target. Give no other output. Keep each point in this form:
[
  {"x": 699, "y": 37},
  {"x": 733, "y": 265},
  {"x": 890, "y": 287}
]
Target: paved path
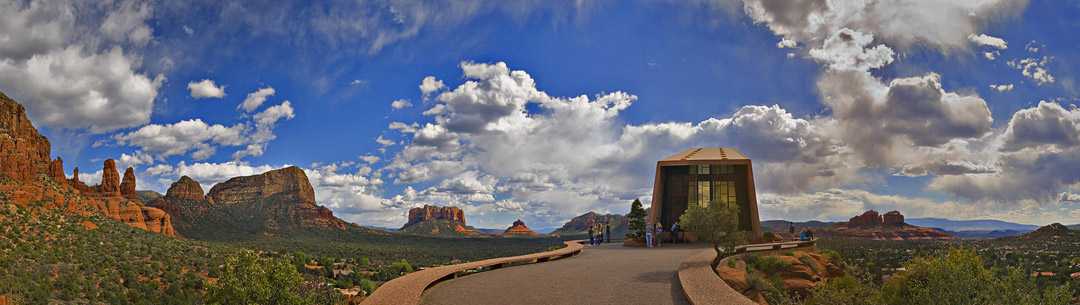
[{"x": 605, "y": 274}]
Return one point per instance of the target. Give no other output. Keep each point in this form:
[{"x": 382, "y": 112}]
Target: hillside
[
  {"x": 620, "y": 225},
  {"x": 1052, "y": 231}
]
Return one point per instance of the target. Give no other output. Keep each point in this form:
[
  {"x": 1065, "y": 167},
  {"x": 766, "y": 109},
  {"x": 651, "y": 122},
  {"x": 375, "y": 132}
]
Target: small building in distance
[{"x": 698, "y": 176}]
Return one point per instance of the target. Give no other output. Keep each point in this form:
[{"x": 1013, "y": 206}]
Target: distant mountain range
[
  {"x": 980, "y": 228},
  {"x": 970, "y": 225}
]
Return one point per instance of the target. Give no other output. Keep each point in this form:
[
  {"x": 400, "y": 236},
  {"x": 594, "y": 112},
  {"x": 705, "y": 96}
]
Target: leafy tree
[
  {"x": 717, "y": 223},
  {"x": 367, "y": 286},
  {"x": 637, "y": 218},
  {"x": 365, "y": 262},
  {"x": 248, "y": 280}
]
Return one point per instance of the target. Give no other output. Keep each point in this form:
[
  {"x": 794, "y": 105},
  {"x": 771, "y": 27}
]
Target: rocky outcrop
[
  {"x": 185, "y": 188},
  {"x": 891, "y": 226},
  {"x": 438, "y": 221},
  {"x": 867, "y": 219},
  {"x": 288, "y": 186},
  {"x": 56, "y": 171},
  {"x": 127, "y": 186},
  {"x": 519, "y": 228},
  {"x": 433, "y": 212},
  {"x": 893, "y": 218},
  {"x": 110, "y": 180},
  {"x": 290, "y": 183},
  {"x": 24, "y": 153},
  {"x": 801, "y": 272}
]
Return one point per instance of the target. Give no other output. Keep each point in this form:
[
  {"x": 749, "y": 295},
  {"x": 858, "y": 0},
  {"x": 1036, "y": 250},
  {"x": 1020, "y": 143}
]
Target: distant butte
[{"x": 519, "y": 228}]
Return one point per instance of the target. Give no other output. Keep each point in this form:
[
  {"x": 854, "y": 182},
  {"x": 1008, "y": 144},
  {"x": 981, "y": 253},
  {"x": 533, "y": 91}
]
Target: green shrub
[
  {"x": 768, "y": 235},
  {"x": 769, "y": 264},
  {"x": 789, "y": 253},
  {"x": 831, "y": 256}
]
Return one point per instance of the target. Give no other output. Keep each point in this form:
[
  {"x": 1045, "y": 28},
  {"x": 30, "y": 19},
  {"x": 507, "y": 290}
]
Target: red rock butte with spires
[
  {"x": 519, "y": 228},
  {"x": 25, "y": 156}
]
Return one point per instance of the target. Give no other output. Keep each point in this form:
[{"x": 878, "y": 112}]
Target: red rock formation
[
  {"x": 433, "y": 212},
  {"x": 868, "y": 219},
  {"x": 127, "y": 186},
  {"x": 56, "y": 171},
  {"x": 291, "y": 183},
  {"x": 110, "y": 180},
  {"x": 870, "y": 225},
  {"x": 520, "y": 228},
  {"x": 288, "y": 184},
  {"x": 185, "y": 188},
  {"x": 78, "y": 185},
  {"x": 24, "y": 153},
  {"x": 893, "y": 218},
  {"x": 805, "y": 272}
]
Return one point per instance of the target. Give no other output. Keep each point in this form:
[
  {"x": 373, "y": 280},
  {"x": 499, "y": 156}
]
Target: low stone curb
[{"x": 407, "y": 289}]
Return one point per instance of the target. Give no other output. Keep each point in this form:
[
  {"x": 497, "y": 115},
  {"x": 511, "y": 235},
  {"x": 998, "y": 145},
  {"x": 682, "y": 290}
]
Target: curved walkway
[{"x": 605, "y": 274}]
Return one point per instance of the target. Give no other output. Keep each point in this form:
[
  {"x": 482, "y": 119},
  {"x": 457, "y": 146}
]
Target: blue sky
[{"x": 544, "y": 111}]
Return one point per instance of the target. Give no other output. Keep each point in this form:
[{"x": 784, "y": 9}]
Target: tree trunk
[{"x": 719, "y": 256}]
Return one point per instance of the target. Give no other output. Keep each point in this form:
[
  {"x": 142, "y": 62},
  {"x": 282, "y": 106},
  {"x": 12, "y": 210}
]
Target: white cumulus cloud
[{"x": 206, "y": 89}]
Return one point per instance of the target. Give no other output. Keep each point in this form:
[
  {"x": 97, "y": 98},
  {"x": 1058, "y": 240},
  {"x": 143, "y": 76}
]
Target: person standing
[
  {"x": 791, "y": 230},
  {"x": 648, "y": 235},
  {"x": 599, "y": 234},
  {"x": 592, "y": 235},
  {"x": 659, "y": 235},
  {"x": 675, "y": 233},
  {"x": 608, "y": 225}
]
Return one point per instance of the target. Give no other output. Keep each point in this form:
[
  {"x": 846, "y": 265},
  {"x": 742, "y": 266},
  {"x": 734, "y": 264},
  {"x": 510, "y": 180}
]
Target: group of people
[
  {"x": 597, "y": 233},
  {"x": 806, "y": 234},
  {"x": 652, "y": 232}
]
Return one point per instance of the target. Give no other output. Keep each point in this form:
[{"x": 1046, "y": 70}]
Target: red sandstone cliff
[
  {"x": 433, "y": 212},
  {"x": 519, "y": 228},
  {"x": 289, "y": 185},
  {"x": 24, "y": 157},
  {"x": 891, "y": 226},
  {"x": 438, "y": 221}
]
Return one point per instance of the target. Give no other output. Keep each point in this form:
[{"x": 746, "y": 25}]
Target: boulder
[
  {"x": 800, "y": 286},
  {"x": 127, "y": 186},
  {"x": 735, "y": 278}
]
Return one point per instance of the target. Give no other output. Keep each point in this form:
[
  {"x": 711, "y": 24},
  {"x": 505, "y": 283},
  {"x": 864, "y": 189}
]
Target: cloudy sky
[{"x": 544, "y": 110}]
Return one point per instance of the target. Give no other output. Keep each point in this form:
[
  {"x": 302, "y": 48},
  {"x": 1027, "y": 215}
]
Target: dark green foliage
[
  {"x": 955, "y": 276},
  {"x": 769, "y": 264},
  {"x": 246, "y": 279},
  {"x": 637, "y": 218},
  {"x": 717, "y": 223}
]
